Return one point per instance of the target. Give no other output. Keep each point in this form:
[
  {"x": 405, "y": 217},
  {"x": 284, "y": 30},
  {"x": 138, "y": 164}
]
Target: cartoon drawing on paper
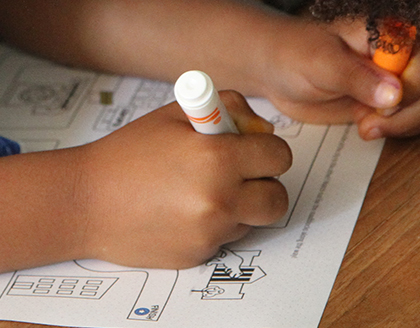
[
  {"x": 145, "y": 96},
  {"x": 90, "y": 280},
  {"x": 35, "y": 89},
  {"x": 231, "y": 272},
  {"x": 61, "y": 286}
]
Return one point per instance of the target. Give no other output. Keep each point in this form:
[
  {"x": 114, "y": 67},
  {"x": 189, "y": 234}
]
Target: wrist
[
  {"x": 42, "y": 216},
  {"x": 69, "y": 188},
  {"x": 267, "y": 54}
]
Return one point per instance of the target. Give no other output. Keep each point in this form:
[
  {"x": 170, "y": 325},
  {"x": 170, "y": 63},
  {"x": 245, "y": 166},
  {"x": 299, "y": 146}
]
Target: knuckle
[
  {"x": 204, "y": 246},
  {"x": 358, "y": 72},
  {"x": 213, "y": 210},
  {"x": 210, "y": 155},
  {"x": 215, "y": 148}
]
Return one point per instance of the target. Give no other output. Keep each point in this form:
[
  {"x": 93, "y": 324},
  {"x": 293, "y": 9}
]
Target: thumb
[
  {"x": 242, "y": 114},
  {"x": 366, "y": 82}
]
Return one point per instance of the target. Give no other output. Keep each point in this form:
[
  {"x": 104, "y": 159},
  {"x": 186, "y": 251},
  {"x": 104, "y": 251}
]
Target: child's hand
[
  {"x": 306, "y": 69},
  {"x": 160, "y": 194},
  {"x": 402, "y": 120},
  {"x": 323, "y": 74}
]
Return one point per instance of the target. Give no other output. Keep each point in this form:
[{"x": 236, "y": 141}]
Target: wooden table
[{"x": 379, "y": 281}]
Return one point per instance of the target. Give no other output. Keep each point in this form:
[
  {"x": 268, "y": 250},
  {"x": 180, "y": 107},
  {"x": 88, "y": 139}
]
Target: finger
[
  {"x": 404, "y": 123},
  {"x": 337, "y": 111},
  {"x": 262, "y": 202},
  {"x": 411, "y": 81},
  {"x": 361, "y": 113},
  {"x": 372, "y": 85},
  {"x": 356, "y": 76},
  {"x": 243, "y": 115},
  {"x": 262, "y": 155}
]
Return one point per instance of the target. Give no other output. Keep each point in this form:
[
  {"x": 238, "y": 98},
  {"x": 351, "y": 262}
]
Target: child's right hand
[{"x": 159, "y": 194}]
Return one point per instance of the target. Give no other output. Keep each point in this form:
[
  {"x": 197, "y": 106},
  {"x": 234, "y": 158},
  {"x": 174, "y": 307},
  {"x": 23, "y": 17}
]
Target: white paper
[{"x": 280, "y": 276}]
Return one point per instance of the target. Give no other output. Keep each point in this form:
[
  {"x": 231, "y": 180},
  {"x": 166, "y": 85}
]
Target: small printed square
[{"x": 106, "y": 97}]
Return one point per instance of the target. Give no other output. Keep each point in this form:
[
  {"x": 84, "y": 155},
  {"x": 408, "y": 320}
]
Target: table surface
[{"x": 379, "y": 280}]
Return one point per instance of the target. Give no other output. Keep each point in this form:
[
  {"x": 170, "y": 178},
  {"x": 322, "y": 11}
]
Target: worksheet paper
[{"x": 278, "y": 276}]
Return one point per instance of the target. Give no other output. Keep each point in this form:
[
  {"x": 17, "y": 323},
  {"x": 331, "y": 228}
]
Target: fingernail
[
  {"x": 373, "y": 134},
  {"x": 387, "y": 95},
  {"x": 388, "y": 111}
]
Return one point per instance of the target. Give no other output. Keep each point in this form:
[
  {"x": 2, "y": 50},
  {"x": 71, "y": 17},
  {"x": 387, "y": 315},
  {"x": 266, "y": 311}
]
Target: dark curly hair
[{"x": 377, "y": 14}]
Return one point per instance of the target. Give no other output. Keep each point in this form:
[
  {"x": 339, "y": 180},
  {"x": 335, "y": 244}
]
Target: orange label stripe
[{"x": 206, "y": 119}]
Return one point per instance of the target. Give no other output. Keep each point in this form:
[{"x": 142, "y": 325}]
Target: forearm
[
  {"x": 155, "y": 39},
  {"x": 42, "y": 212}
]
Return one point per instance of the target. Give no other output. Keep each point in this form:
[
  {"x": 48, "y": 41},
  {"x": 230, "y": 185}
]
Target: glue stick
[{"x": 195, "y": 93}]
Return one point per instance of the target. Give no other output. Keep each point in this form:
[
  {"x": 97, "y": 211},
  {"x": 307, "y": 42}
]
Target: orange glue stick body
[{"x": 394, "y": 46}]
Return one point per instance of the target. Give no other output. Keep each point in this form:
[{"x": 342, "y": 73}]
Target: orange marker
[{"x": 394, "y": 47}]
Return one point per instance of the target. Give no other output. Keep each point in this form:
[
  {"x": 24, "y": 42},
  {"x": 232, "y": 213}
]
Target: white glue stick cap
[
  {"x": 194, "y": 89},
  {"x": 200, "y": 101}
]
